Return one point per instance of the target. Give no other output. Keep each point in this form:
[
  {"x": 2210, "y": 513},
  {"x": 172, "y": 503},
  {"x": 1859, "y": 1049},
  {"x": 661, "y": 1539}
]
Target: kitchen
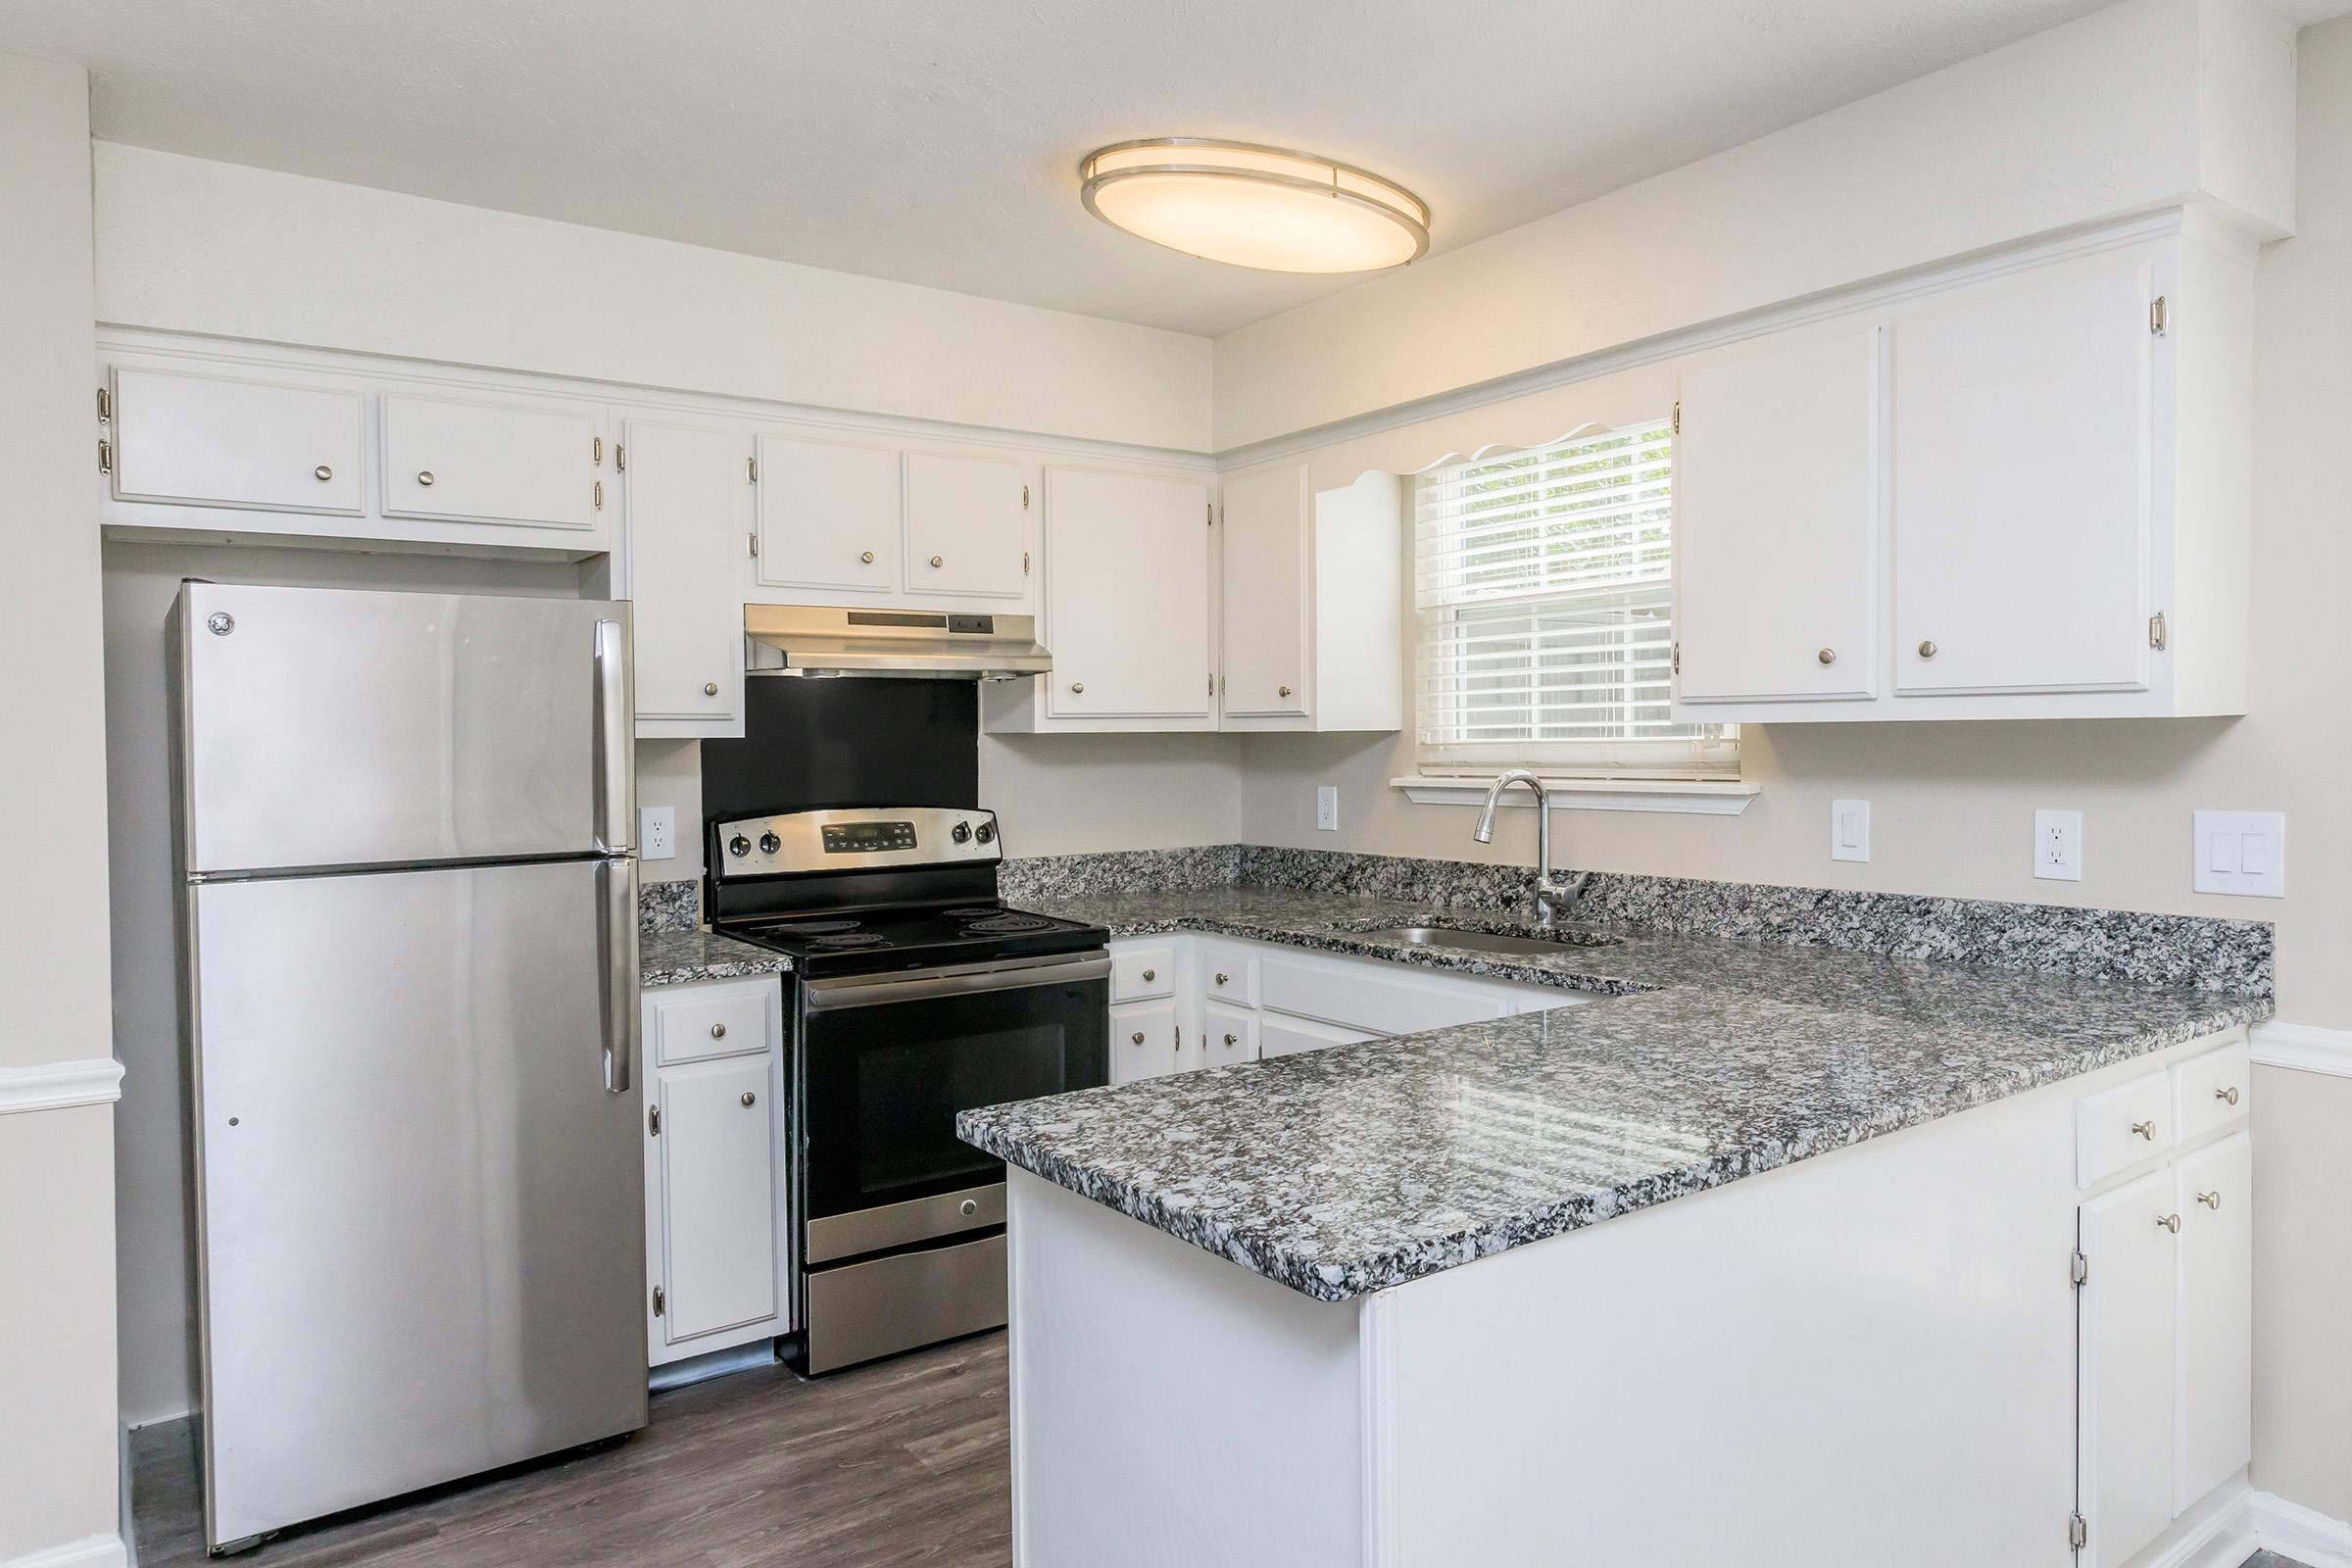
[{"x": 1215, "y": 664}]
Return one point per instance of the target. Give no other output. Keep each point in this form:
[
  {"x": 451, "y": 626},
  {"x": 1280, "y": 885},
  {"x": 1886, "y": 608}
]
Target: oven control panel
[{"x": 795, "y": 843}]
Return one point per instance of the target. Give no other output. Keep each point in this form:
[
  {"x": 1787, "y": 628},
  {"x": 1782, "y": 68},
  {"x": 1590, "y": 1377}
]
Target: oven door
[{"x": 888, "y": 1060}]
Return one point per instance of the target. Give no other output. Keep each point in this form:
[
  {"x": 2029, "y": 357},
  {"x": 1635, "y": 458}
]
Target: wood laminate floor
[{"x": 904, "y": 1462}]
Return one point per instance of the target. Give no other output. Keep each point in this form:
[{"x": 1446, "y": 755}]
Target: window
[{"x": 1545, "y": 584}]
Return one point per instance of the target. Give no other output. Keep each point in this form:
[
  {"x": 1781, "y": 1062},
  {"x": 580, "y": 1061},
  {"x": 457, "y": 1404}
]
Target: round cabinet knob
[
  {"x": 719, "y": 1031},
  {"x": 2212, "y": 1201},
  {"x": 867, "y": 555},
  {"x": 2144, "y": 1129},
  {"x": 750, "y": 1099},
  {"x": 1282, "y": 691},
  {"x": 985, "y": 832},
  {"x": 739, "y": 846},
  {"x": 424, "y": 478},
  {"x": 1076, "y": 687},
  {"x": 1927, "y": 650},
  {"x": 2228, "y": 1096},
  {"x": 709, "y": 688},
  {"x": 1137, "y": 1037},
  {"x": 1828, "y": 655},
  {"x": 1222, "y": 978},
  {"x": 937, "y": 561},
  {"x": 961, "y": 832},
  {"x": 1232, "y": 1040},
  {"x": 323, "y": 474},
  {"x": 967, "y": 1208},
  {"x": 1151, "y": 974},
  {"x": 770, "y": 844},
  {"x": 2170, "y": 1222}
]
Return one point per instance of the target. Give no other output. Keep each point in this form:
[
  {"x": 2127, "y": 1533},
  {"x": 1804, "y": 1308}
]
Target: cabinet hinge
[
  {"x": 1678, "y": 415},
  {"x": 106, "y": 406},
  {"x": 2157, "y": 636},
  {"x": 652, "y": 1121},
  {"x": 2078, "y": 1531},
  {"x": 1025, "y": 563},
  {"x": 660, "y": 1301},
  {"x": 2080, "y": 1271},
  {"x": 106, "y": 457},
  {"x": 2157, "y": 318},
  {"x": 620, "y": 458},
  {"x": 600, "y": 495},
  {"x": 595, "y": 449},
  {"x": 751, "y": 469},
  {"x": 1678, "y": 656},
  {"x": 751, "y": 543},
  {"x": 1211, "y": 509},
  {"x": 1024, "y": 498}
]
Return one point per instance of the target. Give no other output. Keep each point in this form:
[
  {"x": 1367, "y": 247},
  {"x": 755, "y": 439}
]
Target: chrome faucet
[{"x": 1552, "y": 900}]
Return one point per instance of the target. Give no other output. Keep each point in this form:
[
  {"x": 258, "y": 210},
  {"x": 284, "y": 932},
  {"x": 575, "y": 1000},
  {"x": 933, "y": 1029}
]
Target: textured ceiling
[{"x": 934, "y": 141}]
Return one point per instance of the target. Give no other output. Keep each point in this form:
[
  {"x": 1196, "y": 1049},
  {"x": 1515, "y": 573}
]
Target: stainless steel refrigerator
[{"x": 408, "y": 955}]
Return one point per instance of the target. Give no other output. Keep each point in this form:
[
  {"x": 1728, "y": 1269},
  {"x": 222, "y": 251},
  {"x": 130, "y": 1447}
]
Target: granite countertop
[
  {"x": 1697, "y": 1060},
  {"x": 675, "y": 957}
]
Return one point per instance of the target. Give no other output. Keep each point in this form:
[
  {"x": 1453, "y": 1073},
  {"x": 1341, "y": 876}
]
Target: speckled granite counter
[
  {"x": 1698, "y": 1061},
  {"x": 673, "y": 957}
]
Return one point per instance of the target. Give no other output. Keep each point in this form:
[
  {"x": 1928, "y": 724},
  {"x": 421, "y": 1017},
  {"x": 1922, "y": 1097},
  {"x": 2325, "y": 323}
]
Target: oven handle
[{"x": 833, "y": 996}]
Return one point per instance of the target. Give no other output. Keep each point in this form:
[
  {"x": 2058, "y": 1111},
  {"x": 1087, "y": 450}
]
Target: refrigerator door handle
[
  {"x": 613, "y": 720},
  {"x": 616, "y": 934}
]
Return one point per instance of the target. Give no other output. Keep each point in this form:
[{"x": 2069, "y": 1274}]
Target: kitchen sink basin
[{"x": 1443, "y": 935}]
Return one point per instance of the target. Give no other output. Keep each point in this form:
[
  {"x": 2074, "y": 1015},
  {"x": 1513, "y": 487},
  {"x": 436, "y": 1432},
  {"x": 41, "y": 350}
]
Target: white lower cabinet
[
  {"x": 1279, "y": 1036},
  {"x": 1144, "y": 1040},
  {"x": 2164, "y": 1346},
  {"x": 1228, "y": 1035},
  {"x": 715, "y": 1210}
]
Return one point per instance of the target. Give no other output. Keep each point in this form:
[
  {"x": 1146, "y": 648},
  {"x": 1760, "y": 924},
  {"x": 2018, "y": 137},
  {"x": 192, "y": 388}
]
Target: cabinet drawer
[
  {"x": 201, "y": 440},
  {"x": 1343, "y": 994},
  {"x": 2213, "y": 1091},
  {"x": 489, "y": 462},
  {"x": 2118, "y": 1128},
  {"x": 695, "y": 1025},
  {"x": 1137, "y": 973},
  {"x": 1278, "y": 1036},
  {"x": 1228, "y": 974}
]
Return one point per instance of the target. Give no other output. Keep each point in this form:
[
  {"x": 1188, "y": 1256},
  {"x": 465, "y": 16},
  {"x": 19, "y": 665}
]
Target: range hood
[{"x": 916, "y": 644}]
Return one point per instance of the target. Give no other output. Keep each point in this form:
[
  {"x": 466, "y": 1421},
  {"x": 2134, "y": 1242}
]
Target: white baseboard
[
  {"x": 2304, "y": 1047},
  {"x": 2305, "y": 1535},
  {"x": 93, "y": 1551},
  {"x": 2218, "y": 1533},
  {"x": 53, "y": 1085}
]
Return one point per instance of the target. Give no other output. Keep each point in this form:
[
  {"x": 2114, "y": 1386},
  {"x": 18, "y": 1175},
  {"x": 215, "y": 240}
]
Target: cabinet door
[
  {"x": 201, "y": 440},
  {"x": 1227, "y": 1035},
  {"x": 1265, "y": 608},
  {"x": 966, "y": 527},
  {"x": 829, "y": 514},
  {"x": 1280, "y": 1036},
  {"x": 1127, "y": 595},
  {"x": 1142, "y": 1041},
  {"x": 1776, "y": 523},
  {"x": 2022, "y": 472},
  {"x": 2125, "y": 1359},
  {"x": 480, "y": 461},
  {"x": 718, "y": 1195},
  {"x": 2216, "y": 1316},
  {"x": 686, "y": 512}
]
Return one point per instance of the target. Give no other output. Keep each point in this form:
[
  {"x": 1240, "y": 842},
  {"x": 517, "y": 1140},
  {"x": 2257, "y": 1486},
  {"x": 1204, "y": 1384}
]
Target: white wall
[
  {"x": 191, "y": 245},
  {"x": 2142, "y": 105},
  {"x": 56, "y": 1267}
]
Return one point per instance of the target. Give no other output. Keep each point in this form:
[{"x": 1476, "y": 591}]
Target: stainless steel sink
[{"x": 1442, "y": 936}]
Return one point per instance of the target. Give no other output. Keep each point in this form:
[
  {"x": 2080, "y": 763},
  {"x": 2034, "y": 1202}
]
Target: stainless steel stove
[{"x": 919, "y": 994}]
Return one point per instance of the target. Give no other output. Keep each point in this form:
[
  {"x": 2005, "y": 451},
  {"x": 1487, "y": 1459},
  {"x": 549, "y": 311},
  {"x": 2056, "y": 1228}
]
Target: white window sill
[{"x": 1727, "y": 797}]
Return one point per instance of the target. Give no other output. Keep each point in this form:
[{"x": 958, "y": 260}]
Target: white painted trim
[
  {"x": 1677, "y": 796},
  {"x": 91, "y": 1551},
  {"x": 2217, "y": 1533},
  {"x": 2303, "y": 1047},
  {"x": 54, "y": 1085},
  {"x": 2306, "y": 1534}
]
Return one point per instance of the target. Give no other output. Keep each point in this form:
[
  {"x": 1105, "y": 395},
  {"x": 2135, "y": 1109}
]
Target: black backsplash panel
[{"x": 846, "y": 742}]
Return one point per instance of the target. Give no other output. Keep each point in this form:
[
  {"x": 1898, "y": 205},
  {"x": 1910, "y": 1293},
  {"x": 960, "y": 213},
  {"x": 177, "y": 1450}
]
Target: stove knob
[
  {"x": 770, "y": 844},
  {"x": 961, "y": 832},
  {"x": 985, "y": 832},
  {"x": 739, "y": 845}
]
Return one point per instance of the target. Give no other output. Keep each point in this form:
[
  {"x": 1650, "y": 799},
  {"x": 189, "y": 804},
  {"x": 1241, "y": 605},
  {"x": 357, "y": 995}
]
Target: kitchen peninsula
[{"x": 1831, "y": 1316}]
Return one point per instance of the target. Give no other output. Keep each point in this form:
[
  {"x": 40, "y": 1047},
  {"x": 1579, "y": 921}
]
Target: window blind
[{"x": 1544, "y": 585}]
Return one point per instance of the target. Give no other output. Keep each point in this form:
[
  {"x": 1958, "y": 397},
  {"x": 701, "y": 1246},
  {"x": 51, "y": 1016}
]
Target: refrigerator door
[
  {"x": 324, "y": 727},
  {"x": 420, "y": 1207}
]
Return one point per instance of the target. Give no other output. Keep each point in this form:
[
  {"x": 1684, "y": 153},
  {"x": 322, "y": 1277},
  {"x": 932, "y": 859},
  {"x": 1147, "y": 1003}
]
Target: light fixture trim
[{"x": 1383, "y": 197}]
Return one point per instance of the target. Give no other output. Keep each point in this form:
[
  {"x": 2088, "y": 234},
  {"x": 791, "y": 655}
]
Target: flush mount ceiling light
[{"x": 1263, "y": 206}]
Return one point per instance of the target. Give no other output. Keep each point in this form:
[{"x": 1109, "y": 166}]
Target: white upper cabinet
[
  {"x": 1127, "y": 595},
  {"x": 688, "y": 509},
  {"x": 476, "y": 461},
  {"x": 1311, "y": 604},
  {"x": 1777, "y": 487},
  {"x": 967, "y": 525},
  {"x": 221, "y": 441},
  {"x": 829, "y": 514},
  {"x": 1266, "y": 611},
  {"x": 2022, "y": 439}
]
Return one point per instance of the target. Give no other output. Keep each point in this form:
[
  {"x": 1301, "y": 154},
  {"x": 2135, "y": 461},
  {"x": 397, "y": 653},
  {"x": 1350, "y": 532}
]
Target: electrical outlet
[
  {"x": 657, "y": 833},
  {"x": 1327, "y": 807},
  {"x": 2242, "y": 853},
  {"x": 1849, "y": 830},
  {"x": 2058, "y": 846}
]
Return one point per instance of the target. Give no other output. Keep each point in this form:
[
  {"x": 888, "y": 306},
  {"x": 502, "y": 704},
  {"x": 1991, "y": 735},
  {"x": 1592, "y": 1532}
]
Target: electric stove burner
[
  {"x": 1011, "y": 921},
  {"x": 812, "y": 928},
  {"x": 973, "y": 911},
  {"x": 848, "y": 939}
]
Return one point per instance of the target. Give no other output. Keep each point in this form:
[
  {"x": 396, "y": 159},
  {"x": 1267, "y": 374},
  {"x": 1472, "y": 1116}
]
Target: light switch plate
[
  {"x": 2242, "y": 853},
  {"x": 1327, "y": 807},
  {"x": 1849, "y": 830},
  {"x": 657, "y": 833},
  {"x": 2058, "y": 846}
]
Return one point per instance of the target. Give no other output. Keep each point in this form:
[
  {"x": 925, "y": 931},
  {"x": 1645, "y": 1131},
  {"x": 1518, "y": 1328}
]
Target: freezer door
[
  {"x": 324, "y": 727},
  {"x": 420, "y": 1208}
]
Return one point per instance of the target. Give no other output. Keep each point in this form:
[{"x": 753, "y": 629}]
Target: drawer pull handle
[
  {"x": 719, "y": 1031},
  {"x": 424, "y": 478},
  {"x": 1222, "y": 978},
  {"x": 2170, "y": 1222},
  {"x": 1151, "y": 974},
  {"x": 2229, "y": 1095},
  {"x": 865, "y": 556},
  {"x": 1828, "y": 655},
  {"x": 2212, "y": 1201},
  {"x": 968, "y": 1208},
  {"x": 1137, "y": 1037},
  {"x": 1927, "y": 650},
  {"x": 323, "y": 474},
  {"x": 1231, "y": 1041},
  {"x": 937, "y": 561},
  {"x": 750, "y": 1099},
  {"x": 2144, "y": 1129}
]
